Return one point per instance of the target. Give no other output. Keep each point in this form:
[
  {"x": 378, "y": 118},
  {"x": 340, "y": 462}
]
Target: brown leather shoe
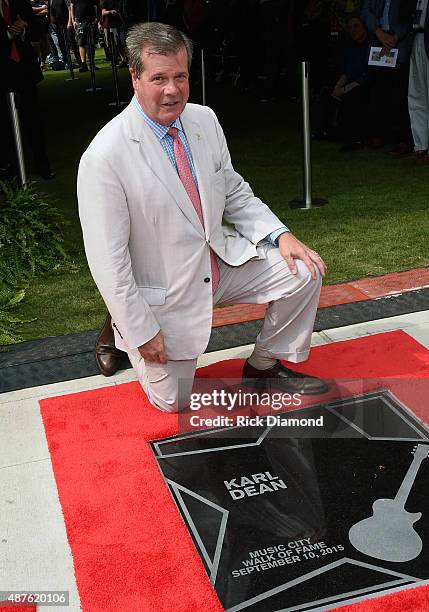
[
  {"x": 107, "y": 356},
  {"x": 280, "y": 377},
  {"x": 403, "y": 148},
  {"x": 375, "y": 142},
  {"x": 421, "y": 156}
]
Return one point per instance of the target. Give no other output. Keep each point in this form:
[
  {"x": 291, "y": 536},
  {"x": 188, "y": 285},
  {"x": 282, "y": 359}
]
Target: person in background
[
  {"x": 112, "y": 19},
  {"x": 71, "y": 34},
  {"x": 389, "y": 22},
  {"x": 84, "y": 16},
  {"x": 42, "y": 46},
  {"x": 20, "y": 72},
  {"x": 352, "y": 89},
  {"x": 59, "y": 13},
  {"x": 418, "y": 89}
]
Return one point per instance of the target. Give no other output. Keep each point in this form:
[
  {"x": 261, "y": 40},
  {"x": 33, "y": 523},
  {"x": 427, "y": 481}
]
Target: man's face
[
  {"x": 163, "y": 87},
  {"x": 356, "y": 29}
]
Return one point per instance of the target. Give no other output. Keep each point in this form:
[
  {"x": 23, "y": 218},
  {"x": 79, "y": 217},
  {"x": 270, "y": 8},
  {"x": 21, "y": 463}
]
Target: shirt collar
[{"x": 159, "y": 130}]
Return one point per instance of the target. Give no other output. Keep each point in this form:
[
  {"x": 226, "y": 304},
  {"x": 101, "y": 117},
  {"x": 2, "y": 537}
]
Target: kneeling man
[{"x": 170, "y": 229}]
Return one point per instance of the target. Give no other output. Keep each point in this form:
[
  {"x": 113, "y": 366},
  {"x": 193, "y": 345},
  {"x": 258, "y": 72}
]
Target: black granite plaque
[{"x": 298, "y": 523}]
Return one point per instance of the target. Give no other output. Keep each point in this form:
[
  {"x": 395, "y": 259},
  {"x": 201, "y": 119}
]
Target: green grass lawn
[{"x": 376, "y": 220}]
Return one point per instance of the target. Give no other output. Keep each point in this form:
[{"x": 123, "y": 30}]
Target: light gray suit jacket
[{"x": 146, "y": 248}]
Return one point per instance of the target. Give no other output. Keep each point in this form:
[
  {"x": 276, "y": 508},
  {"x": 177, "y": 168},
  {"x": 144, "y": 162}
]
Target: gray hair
[{"x": 159, "y": 38}]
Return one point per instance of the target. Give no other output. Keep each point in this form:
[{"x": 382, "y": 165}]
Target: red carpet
[{"x": 122, "y": 524}]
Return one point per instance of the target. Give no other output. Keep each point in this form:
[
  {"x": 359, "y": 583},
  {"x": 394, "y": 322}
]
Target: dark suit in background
[
  {"x": 390, "y": 85},
  {"x": 21, "y": 77}
]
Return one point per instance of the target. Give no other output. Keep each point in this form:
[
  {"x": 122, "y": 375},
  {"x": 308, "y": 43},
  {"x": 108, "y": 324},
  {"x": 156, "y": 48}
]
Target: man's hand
[
  {"x": 389, "y": 41},
  {"x": 291, "y": 248},
  {"x": 18, "y": 26},
  {"x": 153, "y": 351},
  {"x": 338, "y": 93}
]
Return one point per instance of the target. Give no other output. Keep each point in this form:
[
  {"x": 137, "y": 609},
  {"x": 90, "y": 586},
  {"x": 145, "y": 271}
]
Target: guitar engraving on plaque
[{"x": 389, "y": 534}]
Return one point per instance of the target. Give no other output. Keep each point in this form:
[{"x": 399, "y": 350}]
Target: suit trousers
[
  {"x": 389, "y": 109},
  {"x": 286, "y": 333},
  {"x": 418, "y": 94}
]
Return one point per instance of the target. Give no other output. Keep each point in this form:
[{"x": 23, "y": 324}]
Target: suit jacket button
[{"x": 207, "y": 279}]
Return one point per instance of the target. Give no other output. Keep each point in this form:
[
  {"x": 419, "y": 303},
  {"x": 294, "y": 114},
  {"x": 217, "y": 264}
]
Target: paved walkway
[{"x": 34, "y": 551}]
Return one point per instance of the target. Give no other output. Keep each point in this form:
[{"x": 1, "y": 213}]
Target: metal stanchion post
[
  {"x": 308, "y": 201},
  {"x": 90, "y": 50},
  {"x": 69, "y": 57},
  {"x": 112, "y": 47},
  {"x": 203, "y": 77},
  {"x": 18, "y": 140}
]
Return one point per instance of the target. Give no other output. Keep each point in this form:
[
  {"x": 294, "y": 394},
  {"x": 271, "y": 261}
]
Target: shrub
[
  {"x": 30, "y": 244},
  {"x": 30, "y": 235},
  {"x": 8, "y": 301}
]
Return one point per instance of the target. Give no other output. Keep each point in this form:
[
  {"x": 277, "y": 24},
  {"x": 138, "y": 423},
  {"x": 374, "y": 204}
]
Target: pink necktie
[
  {"x": 185, "y": 174},
  {"x": 14, "y": 53}
]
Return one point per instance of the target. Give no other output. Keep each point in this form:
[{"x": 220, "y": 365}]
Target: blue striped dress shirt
[{"x": 161, "y": 132}]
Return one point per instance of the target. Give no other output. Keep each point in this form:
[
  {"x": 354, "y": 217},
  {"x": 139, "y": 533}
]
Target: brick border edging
[{"x": 333, "y": 295}]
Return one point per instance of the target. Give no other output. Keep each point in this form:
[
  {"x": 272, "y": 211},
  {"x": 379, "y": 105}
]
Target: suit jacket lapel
[{"x": 156, "y": 158}]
